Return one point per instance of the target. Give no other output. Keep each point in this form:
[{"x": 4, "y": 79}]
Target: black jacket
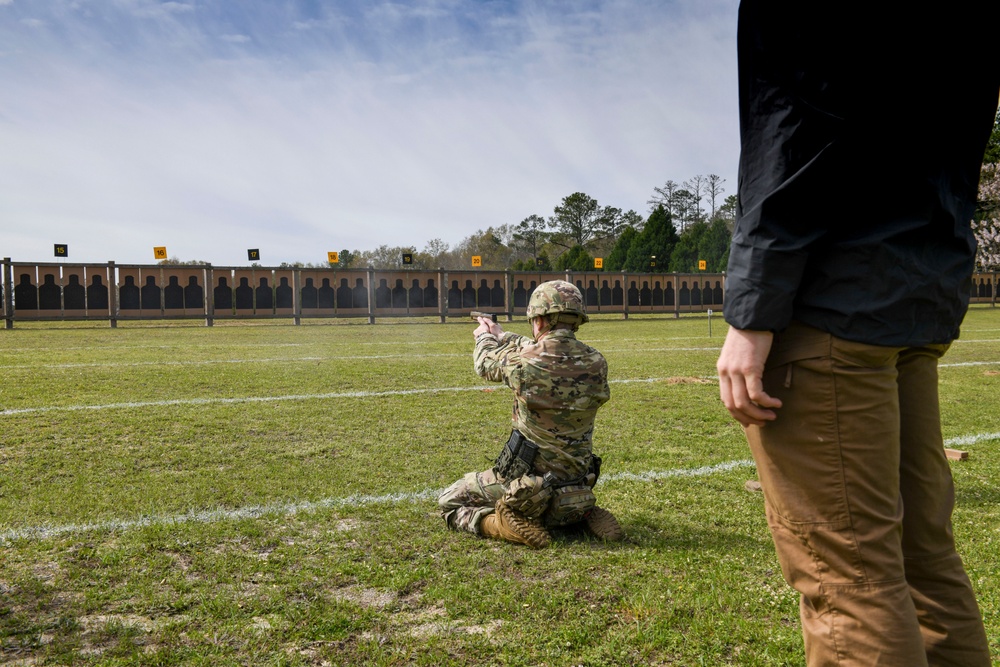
[{"x": 862, "y": 143}]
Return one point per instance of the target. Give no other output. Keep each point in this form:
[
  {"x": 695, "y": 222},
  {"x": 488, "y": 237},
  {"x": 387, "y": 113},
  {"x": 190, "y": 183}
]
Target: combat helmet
[{"x": 558, "y": 297}]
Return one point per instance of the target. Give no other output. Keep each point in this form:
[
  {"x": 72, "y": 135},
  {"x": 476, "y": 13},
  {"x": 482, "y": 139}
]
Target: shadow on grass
[{"x": 971, "y": 493}]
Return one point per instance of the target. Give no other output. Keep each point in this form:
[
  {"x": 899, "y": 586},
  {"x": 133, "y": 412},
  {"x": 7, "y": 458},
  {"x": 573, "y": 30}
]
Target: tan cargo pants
[{"x": 859, "y": 495}]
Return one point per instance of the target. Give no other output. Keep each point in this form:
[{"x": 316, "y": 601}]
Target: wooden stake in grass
[{"x": 956, "y": 454}]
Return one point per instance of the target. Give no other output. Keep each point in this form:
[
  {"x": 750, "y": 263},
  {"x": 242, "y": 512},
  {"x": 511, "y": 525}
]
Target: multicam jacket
[{"x": 559, "y": 383}]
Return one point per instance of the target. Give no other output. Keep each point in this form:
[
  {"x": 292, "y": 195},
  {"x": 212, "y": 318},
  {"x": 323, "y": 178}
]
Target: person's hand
[
  {"x": 486, "y": 325},
  {"x": 741, "y": 368}
]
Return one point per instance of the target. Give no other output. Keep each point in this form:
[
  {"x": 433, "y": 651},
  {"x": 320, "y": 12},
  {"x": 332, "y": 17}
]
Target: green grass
[{"x": 182, "y": 523}]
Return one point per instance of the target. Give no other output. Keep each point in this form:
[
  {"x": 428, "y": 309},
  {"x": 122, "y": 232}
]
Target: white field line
[
  {"x": 271, "y": 360},
  {"x": 204, "y": 362},
  {"x": 662, "y": 349},
  {"x": 325, "y": 396},
  {"x": 355, "y": 501},
  {"x": 374, "y": 343},
  {"x": 971, "y": 439},
  {"x": 353, "y": 357},
  {"x": 370, "y": 357},
  {"x": 273, "y": 399},
  {"x": 117, "y": 347},
  {"x": 284, "y": 509},
  {"x": 653, "y": 475},
  {"x": 394, "y": 343},
  {"x": 969, "y": 363},
  {"x": 242, "y": 399}
]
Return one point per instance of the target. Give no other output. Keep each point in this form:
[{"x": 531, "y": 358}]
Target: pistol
[{"x": 477, "y": 313}]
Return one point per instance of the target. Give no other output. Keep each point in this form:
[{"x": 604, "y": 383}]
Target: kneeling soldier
[{"x": 545, "y": 473}]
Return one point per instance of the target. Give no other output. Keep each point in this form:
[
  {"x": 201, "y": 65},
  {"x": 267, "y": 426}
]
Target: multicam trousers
[{"x": 465, "y": 503}]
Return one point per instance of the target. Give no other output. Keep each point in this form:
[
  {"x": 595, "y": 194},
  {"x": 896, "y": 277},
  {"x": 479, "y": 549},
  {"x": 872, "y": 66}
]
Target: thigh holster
[{"x": 517, "y": 457}]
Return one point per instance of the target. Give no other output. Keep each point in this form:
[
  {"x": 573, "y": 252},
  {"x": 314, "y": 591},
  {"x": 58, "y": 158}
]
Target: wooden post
[
  {"x": 677, "y": 297},
  {"x": 8, "y": 295},
  {"x": 442, "y": 276},
  {"x": 624, "y": 296},
  {"x": 209, "y": 296},
  {"x": 112, "y": 295},
  {"x": 508, "y": 296},
  {"x": 297, "y": 296},
  {"x": 371, "y": 295}
]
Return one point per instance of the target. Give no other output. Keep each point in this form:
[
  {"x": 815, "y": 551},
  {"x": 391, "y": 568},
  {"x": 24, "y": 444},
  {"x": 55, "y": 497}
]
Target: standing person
[
  {"x": 862, "y": 137},
  {"x": 545, "y": 473}
]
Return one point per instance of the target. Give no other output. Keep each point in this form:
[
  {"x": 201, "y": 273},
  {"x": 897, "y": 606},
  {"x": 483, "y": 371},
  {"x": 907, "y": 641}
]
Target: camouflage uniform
[{"x": 558, "y": 383}]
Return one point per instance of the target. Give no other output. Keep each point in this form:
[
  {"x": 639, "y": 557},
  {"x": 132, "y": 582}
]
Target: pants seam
[{"x": 841, "y": 468}]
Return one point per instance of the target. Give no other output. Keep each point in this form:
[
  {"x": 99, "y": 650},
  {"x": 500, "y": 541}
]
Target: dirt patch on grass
[
  {"x": 411, "y": 619},
  {"x": 452, "y": 627},
  {"x": 95, "y": 622},
  {"x": 688, "y": 379},
  {"x": 346, "y": 524},
  {"x": 365, "y": 597}
]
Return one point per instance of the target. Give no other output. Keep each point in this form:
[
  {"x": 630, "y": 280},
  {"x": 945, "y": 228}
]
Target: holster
[{"x": 516, "y": 458}]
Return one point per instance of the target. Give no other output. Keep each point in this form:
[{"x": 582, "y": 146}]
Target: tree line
[{"x": 686, "y": 223}]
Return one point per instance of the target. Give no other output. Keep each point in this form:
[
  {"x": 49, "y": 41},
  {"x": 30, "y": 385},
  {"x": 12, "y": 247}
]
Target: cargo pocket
[{"x": 570, "y": 504}]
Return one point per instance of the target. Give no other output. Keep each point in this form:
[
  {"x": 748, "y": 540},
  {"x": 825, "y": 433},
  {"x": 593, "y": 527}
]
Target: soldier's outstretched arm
[{"x": 495, "y": 357}]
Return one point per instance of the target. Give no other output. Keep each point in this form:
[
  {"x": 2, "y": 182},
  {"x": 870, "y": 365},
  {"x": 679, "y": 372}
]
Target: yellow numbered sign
[
  {"x": 598, "y": 262},
  {"x": 332, "y": 257},
  {"x": 61, "y": 250},
  {"x": 253, "y": 254},
  {"x": 477, "y": 260},
  {"x": 160, "y": 252},
  {"x": 702, "y": 265}
]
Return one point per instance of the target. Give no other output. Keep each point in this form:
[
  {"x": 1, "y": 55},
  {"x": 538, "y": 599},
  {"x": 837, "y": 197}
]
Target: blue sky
[{"x": 299, "y": 127}]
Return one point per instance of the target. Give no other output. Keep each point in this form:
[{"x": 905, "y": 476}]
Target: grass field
[{"x": 264, "y": 494}]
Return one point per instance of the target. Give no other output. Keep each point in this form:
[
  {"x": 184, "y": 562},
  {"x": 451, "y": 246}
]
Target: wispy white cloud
[{"x": 305, "y": 127}]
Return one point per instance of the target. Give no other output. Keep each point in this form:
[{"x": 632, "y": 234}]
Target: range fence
[{"x": 59, "y": 291}]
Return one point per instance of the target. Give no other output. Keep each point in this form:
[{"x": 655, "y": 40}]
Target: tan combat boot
[
  {"x": 602, "y": 524},
  {"x": 512, "y": 526}
]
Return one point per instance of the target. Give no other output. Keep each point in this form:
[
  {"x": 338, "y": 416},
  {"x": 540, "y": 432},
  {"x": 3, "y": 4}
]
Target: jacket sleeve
[
  {"x": 494, "y": 359},
  {"x": 789, "y": 128},
  {"x": 761, "y": 284}
]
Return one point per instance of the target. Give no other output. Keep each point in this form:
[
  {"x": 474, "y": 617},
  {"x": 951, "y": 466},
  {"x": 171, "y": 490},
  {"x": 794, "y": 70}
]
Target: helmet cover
[{"x": 557, "y": 297}]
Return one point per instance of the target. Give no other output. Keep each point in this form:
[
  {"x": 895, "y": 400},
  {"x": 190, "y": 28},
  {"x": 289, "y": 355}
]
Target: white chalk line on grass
[
  {"x": 653, "y": 475},
  {"x": 662, "y": 349},
  {"x": 204, "y": 362},
  {"x": 271, "y": 399},
  {"x": 174, "y": 346},
  {"x": 284, "y": 509},
  {"x": 242, "y": 399},
  {"x": 971, "y": 439},
  {"x": 369, "y": 357},
  {"x": 356, "y": 501},
  {"x": 969, "y": 363},
  {"x": 271, "y": 360}
]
